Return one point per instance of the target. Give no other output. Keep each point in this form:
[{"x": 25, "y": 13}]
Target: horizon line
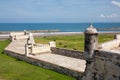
[{"x": 59, "y": 22}]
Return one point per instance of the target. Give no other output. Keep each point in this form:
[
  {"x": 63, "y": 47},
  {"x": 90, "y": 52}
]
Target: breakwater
[
  {"x": 109, "y": 29},
  {"x": 32, "y": 31}
]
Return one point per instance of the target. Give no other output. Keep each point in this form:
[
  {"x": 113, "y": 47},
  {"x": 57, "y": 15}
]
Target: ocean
[{"x": 63, "y": 27}]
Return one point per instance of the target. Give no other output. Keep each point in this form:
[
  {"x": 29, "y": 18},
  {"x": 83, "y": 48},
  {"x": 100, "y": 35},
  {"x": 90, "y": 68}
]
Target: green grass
[
  {"x": 69, "y": 42},
  {"x": 72, "y": 42},
  {"x": 105, "y": 37},
  {"x": 3, "y": 44},
  {"x": 13, "y": 69}
]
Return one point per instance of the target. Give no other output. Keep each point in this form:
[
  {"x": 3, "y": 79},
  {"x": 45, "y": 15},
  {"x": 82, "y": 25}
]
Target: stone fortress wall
[
  {"x": 45, "y": 64},
  {"x": 105, "y": 66},
  {"x": 66, "y": 52},
  {"x": 30, "y": 44},
  {"x": 33, "y": 49},
  {"x": 111, "y": 44},
  {"x": 102, "y": 61}
]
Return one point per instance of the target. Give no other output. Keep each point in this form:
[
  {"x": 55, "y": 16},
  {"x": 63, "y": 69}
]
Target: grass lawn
[
  {"x": 13, "y": 69},
  {"x": 72, "y": 42}
]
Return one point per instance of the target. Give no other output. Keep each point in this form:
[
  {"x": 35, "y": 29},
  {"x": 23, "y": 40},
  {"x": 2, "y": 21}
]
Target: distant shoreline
[
  {"x": 109, "y": 29},
  {"x": 61, "y": 27},
  {"x": 32, "y": 31},
  {"x": 7, "y": 36}
]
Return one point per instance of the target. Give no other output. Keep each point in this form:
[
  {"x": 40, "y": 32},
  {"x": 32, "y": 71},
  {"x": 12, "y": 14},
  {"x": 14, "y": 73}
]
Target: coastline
[
  {"x": 32, "y": 31},
  {"x": 6, "y": 36}
]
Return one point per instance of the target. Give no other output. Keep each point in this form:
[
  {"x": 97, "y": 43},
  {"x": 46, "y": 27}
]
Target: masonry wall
[
  {"x": 21, "y": 37},
  {"x": 36, "y": 49},
  {"x": 110, "y": 44},
  {"x": 16, "y": 33},
  {"x": 66, "y": 52},
  {"x": 44, "y": 64},
  {"x": 105, "y": 66}
]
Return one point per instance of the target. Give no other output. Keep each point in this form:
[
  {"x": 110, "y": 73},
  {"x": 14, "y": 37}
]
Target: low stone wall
[
  {"x": 21, "y": 37},
  {"x": 40, "y": 48},
  {"x": 110, "y": 44},
  {"x": 105, "y": 66},
  {"x": 66, "y": 52},
  {"x": 117, "y": 36},
  {"x": 16, "y": 33},
  {"x": 45, "y": 64}
]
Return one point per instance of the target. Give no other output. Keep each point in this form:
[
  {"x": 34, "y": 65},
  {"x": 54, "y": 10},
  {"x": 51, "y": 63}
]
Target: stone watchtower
[{"x": 91, "y": 42}]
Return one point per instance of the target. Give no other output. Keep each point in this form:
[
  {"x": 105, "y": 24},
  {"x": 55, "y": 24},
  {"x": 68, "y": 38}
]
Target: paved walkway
[{"x": 17, "y": 46}]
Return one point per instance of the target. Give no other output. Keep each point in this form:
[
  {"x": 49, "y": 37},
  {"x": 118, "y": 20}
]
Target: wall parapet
[
  {"x": 68, "y": 53},
  {"x": 107, "y": 54},
  {"x": 45, "y": 64},
  {"x": 110, "y": 44},
  {"x": 105, "y": 66}
]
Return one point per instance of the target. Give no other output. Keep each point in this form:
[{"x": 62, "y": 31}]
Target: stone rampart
[
  {"x": 21, "y": 37},
  {"x": 45, "y": 64},
  {"x": 101, "y": 64},
  {"x": 17, "y": 33},
  {"x": 66, "y": 52},
  {"x": 117, "y": 36},
  {"x": 110, "y": 44},
  {"x": 105, "y": 66}
]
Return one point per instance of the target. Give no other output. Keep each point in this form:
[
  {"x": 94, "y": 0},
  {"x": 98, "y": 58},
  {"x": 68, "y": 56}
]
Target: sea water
[{"x": 63, "y": 27}]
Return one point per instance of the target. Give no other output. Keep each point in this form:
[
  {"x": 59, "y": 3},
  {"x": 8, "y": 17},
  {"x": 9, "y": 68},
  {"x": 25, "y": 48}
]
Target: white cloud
[
  {"x": 116, "y": 3},
  {"x": 102, "y": 16},
  {"x": 114, "y": 15}
]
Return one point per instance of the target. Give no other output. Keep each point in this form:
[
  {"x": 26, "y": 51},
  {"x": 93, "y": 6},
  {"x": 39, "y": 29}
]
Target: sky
[{"x": 59, "y": 11}]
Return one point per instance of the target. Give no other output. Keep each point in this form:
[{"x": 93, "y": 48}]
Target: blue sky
[{"x": 40, "y": 11}]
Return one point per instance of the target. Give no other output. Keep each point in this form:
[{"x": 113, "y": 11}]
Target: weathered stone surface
[
  {"x": 91, "y": 42},
  {"x": 66, "y": 52},
  {"x": 117, "y": 36},
  {"x": 107, "y": 55},
  {"x": 106, "y": 66},
  {"x": 110, "y": 44},
  {"x": 65, "y": 65},
  {"x": 91, "y": 30}
]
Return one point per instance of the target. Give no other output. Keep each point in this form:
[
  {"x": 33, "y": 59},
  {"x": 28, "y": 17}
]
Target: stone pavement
[
  {"x": 67, "y": 62},
  {"x": 18, "y": 47}
]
